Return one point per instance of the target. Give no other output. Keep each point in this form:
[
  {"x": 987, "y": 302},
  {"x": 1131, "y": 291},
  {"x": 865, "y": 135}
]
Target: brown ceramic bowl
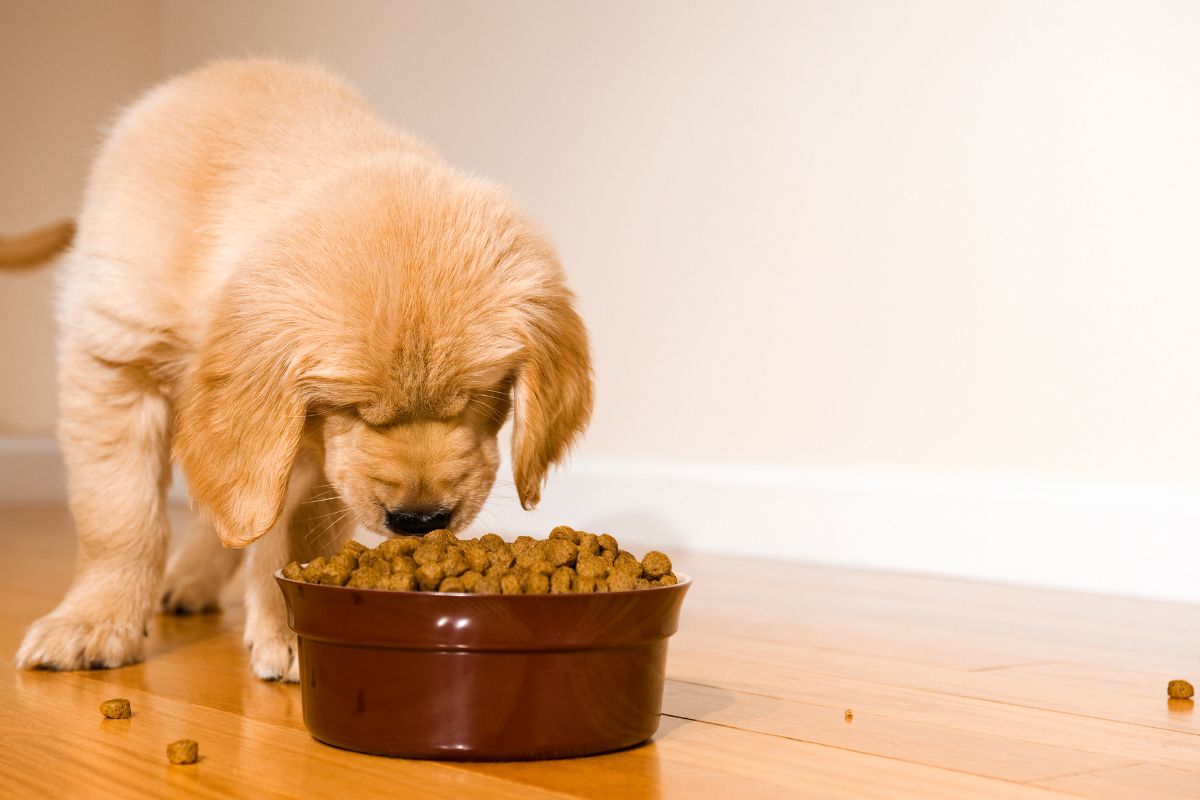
[{"x": 481, "y": 677}]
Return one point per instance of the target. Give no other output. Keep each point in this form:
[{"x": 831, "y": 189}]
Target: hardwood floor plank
[
  {"x": 934, "y": 743},
  {"x": 691, "y": 759},
  {"x": 787, "y": 670},
  {"x": 959, "y": 689},
  {"x": 1139, "y": 780}
]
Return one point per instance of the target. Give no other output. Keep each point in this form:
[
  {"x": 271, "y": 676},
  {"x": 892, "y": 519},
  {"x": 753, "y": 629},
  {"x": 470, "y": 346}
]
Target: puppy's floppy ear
[
  {"x": 552, "y": 393},
  {"x": 238, "y": 429}
]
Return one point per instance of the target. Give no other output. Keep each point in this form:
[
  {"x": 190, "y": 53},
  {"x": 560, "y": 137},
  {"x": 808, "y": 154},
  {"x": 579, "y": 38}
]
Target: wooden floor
[{"x": 958, "y": 689}]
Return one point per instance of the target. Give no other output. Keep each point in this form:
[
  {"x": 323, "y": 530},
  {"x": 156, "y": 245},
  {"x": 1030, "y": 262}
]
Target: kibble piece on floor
[
  {"x": 1180, "y": 690},
  {"x": 117, "y": 708},
  {"x": 849, "y": 715},
  {"x": 184, "y": 751}
]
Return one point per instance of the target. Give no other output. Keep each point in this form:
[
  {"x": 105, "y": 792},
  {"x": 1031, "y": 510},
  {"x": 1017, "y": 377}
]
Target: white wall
[
  {"x": 913, "y": 236},
  {"x": 65, "y": 65},
  {"x": 904, "y": 285}
]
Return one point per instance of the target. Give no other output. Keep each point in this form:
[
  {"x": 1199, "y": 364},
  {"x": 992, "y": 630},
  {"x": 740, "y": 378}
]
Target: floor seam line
[{"x": 1013, "y": 781}]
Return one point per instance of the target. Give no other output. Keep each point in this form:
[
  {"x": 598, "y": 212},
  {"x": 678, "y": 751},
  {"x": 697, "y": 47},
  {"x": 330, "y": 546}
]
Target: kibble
[
  {"x": 589, "y": 544},
  {"x": 430, "y": 576},
  {"x": 592, "y": 567},
  {"x": 621, "y": 582},
  {"x": 656, "y": 565},
  {"x": 568, "y": 562},
  {"x": 565, "y": 533},
  {"x": 452, "y": 584},
  {"x": 1180, "y": 690},
  {"x": 117, "y": 708},
  {"x": 184, "y": 751}
]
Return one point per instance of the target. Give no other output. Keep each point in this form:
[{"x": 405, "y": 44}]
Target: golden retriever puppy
[{"x": 320, "y": 320}]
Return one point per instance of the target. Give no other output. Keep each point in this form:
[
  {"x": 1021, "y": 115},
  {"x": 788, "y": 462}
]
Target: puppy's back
[{"x": 201, "y": 166}]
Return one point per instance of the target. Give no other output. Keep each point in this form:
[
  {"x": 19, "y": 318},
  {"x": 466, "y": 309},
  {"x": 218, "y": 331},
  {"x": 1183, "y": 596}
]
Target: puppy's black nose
[{"x": 405, "y": 521}]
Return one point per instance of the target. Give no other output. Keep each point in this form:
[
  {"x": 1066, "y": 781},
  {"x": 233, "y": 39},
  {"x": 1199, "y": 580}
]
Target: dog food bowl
[{"x": 481, "y": 677}]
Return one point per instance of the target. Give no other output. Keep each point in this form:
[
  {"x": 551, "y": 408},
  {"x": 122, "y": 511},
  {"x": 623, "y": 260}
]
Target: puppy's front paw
[
  {"x": 273, "y": 657},
  {"x": 62, "y": 641}
]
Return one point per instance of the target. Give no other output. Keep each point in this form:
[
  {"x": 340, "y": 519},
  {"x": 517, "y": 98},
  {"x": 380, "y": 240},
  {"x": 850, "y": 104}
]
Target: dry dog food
[
  {"x": 184, "y": 751},
  {"x": 1180, "y": 690},
  {"x": 117, "y": 708},
  {"x": 569, "y": 561}
]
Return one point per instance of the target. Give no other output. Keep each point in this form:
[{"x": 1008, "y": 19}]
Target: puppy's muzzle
[{"x": 402, "y": 520}]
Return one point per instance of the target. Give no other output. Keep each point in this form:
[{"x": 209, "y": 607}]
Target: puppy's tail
[{"x": 36, "y": 247}]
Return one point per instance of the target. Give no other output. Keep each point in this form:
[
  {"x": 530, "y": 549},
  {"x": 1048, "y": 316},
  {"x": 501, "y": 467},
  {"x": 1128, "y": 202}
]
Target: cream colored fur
[{"x": 318, "y": 318}]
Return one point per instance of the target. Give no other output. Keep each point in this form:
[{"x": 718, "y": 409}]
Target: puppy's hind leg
[
  {"x": 114, "y": 430},
  {"x": 198, "y": 571}
]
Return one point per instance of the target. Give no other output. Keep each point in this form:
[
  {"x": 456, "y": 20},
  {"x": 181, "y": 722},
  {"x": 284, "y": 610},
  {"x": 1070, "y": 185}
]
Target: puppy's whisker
[
  {"x": 330, "y": 527},
  {"x": 314, "y": 539},
  {"x": 326, "y": 515},
  {"x": 325, "y": 499}
]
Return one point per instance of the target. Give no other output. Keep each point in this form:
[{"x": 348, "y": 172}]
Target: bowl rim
[{"x": 683, "y": 580}]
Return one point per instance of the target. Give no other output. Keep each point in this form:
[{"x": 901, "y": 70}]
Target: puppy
[{"x": 320, "y": 320}]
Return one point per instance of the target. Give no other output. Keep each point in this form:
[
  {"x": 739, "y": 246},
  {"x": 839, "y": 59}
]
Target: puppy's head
[{"x": 391, "y": 323}]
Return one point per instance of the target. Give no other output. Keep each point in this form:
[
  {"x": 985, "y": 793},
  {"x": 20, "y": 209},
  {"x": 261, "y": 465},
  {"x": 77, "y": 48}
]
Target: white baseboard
[
  {"x": 31, "y": 470},
  {"x": 1120, "y": 539}
]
